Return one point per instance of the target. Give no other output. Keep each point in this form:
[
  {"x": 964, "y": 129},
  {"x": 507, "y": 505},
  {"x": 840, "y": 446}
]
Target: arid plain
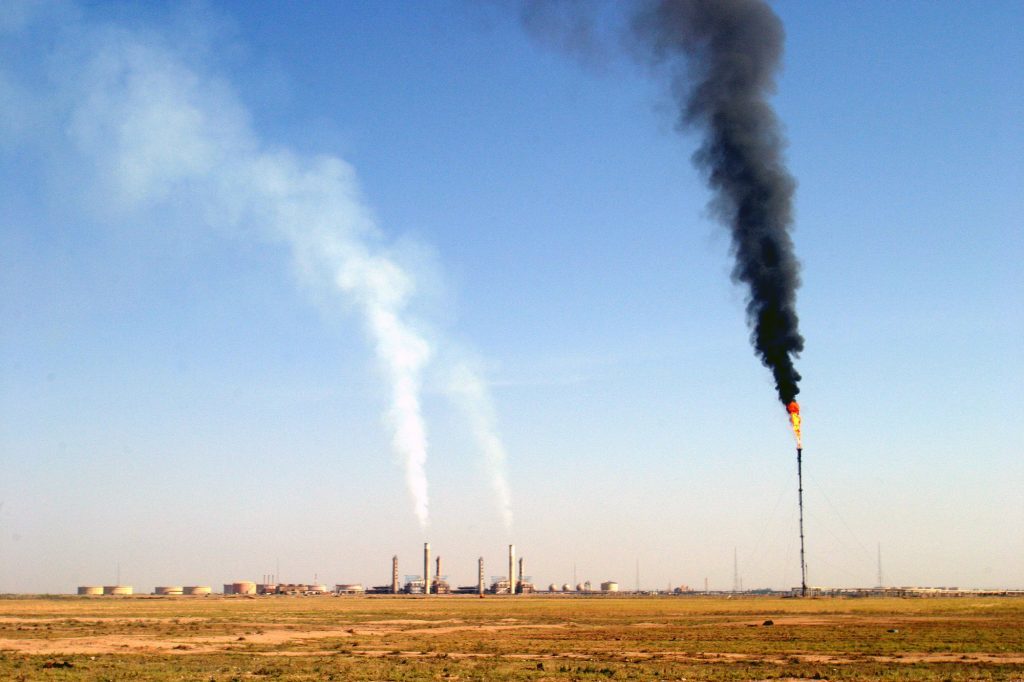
[{"x": 518, "y": 638}]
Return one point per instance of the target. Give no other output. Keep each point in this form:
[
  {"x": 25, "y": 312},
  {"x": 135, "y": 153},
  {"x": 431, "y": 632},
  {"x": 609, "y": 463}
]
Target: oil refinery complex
[
  {"x": 430, "y": 582},
  {"x": 514, "y": 582}
]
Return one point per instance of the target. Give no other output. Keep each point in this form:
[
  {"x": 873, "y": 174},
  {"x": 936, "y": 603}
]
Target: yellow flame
[{"x": 794, "y": 418}]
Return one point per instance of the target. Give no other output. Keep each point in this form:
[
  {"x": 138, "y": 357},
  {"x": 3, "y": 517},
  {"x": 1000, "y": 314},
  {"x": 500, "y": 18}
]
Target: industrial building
[{"x": 437, "y": 583}]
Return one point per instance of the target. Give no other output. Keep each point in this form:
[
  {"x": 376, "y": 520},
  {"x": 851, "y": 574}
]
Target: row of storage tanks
[
  {"x": 607, "y": 586},
  {"x": 249, "y": 587},
  {"x": 95, "y": 590},
  {"x": 240, "y": 587}
]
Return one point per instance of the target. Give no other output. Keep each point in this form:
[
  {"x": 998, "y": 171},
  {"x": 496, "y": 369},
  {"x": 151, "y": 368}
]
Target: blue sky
[{"x": 183, "y": 396}]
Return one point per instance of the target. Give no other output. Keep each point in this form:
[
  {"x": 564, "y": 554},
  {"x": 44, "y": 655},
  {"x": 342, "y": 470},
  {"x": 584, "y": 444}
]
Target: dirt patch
[
  {"x": 114, "y": 644},
  {"x": 80, "y": 620},
  {"x": 479, "y": 628},
  {"x": 412, "y": 621}
]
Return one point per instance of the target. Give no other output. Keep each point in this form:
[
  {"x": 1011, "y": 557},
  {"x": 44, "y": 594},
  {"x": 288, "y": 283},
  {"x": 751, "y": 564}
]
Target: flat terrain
[{"x": 518, "y": 638}]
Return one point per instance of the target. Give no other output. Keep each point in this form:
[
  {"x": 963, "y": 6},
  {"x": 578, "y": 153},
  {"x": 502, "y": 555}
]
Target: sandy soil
[{"x": 276, "y": 635}]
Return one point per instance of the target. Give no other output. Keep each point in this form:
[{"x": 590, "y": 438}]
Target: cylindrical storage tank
[
  {"x": 118, "y": 589},
  {"x": 350, "y": 588},
  {"x": 610, "y": 586},
  {"x": 243, "y": 587},
  {"x": 90, "y": 589},
  {"x": 201, "y": 590},
  {"x": 169, "y": 590},
  {"x": 317, "y": 588}
]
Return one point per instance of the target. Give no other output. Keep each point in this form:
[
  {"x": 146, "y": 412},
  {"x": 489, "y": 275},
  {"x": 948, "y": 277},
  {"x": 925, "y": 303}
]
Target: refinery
[{"x": 432, "y": 581}]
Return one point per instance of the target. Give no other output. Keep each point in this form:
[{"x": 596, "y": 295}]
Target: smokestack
[
  {"x": 480, "y": 576},
  {"x": 437, "y": 570},
  {"x": 394, "y": 574},
  {"x": 521, "y": 570},
  {"x": 511, "y": 569},
  {"x": 426, "y": 568}
]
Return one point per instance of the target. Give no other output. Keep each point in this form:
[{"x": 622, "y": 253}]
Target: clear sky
[{"x": 245, "y": 244}]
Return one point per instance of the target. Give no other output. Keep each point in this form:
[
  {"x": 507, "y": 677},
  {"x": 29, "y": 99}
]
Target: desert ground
[{"x": 516, "y": 638}]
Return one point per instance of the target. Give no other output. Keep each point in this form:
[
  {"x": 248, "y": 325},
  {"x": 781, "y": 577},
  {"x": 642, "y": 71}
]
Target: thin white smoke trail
[
  {"x": 140, "y": 126},
  {"x": 154, "y": 129},
  {"x": 471, "y": 392}
]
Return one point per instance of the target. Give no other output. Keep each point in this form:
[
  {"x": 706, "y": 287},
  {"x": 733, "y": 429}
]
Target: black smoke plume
[{"x": 723, "y": 56}]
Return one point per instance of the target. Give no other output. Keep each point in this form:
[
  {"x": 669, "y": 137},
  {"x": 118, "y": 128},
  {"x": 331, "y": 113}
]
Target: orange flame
[{"x": 794, "y": 418}]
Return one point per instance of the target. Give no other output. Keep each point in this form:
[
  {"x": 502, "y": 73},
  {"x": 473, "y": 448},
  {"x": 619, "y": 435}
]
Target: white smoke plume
[
  {"x": 158, "y": 133},
  {"x": 471, "y": 392}
]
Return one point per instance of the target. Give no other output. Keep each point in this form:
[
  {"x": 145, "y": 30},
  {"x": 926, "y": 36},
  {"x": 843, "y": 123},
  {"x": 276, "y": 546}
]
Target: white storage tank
[
  {"x": 609, "y": 586},
  {"x": 243, "y": 587},
  {"x": 90, "y": 589},
  {"x": 169, "y": 590},
  {"x": 118, "y": 589},
  {"x": 201, "y": 590},
  {"x": 350, "y": 588}
]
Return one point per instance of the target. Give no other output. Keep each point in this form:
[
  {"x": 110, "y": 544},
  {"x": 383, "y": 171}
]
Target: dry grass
[{"x": 532, "y": 638}]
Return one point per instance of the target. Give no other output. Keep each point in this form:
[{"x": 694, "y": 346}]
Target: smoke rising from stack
[
  {"x": 471, "y": 393},
  {"x": 151, "y": 130},
  {"x": 157, "y": 127},
  {"x": 722, "y": 57}
]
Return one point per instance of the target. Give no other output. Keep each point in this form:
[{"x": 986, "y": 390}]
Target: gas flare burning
[{"x": 794, "y": 418}]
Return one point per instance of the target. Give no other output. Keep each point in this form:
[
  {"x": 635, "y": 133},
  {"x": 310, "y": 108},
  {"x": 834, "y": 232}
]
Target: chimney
[
  {"x": 394, "y": 574},
  {"x": 426, "y": 568},
  {"x": 480, "y": 576},
  {"x": 511, "y": 569},
  {"x": 437, "y": 570},
  {"x": 520, "y": 570}
]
